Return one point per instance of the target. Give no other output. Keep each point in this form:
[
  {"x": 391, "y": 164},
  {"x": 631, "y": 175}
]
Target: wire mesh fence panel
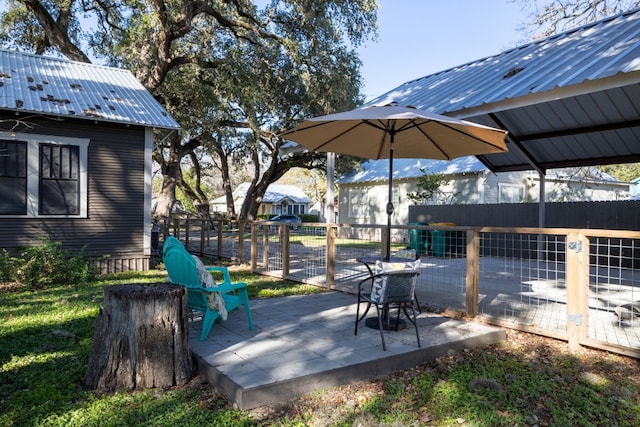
[
  {"x": 614, "y": 291},
  {"x": 269, "y": 249},
  {"x": 441, "y": 284},
  {"x": 522, "y": 279},
  {"x": 352, "y": 244},
  {"x": 308, "y": 254}
]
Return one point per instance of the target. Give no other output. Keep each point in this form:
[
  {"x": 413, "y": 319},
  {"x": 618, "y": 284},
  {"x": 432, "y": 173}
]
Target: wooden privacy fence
[{"x": 579, "y": 285}]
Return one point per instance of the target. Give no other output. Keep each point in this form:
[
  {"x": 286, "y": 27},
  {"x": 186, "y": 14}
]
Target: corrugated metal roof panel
[
  {"x": 596, "y": 51},
  {"x": 278, "y": 192},
  {"x": 572, "y": 99},
  {"x": 378, "y": 170},
  {"x": 275, "y": 193},
  {"x": 52, "y": 86}
]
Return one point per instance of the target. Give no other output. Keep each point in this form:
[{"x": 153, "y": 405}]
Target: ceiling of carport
[{"x": 572, "y": 99}]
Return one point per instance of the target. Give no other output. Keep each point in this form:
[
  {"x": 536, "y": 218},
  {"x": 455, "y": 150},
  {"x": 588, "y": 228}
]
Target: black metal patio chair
[{"x": 388, "y": 290}]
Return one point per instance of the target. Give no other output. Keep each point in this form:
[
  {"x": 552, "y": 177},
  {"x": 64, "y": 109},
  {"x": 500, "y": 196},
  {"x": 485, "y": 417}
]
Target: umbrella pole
[{"x": 387, "y": 254}]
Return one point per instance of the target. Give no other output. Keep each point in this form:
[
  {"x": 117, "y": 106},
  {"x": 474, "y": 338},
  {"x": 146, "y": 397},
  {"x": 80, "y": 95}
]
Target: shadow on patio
[{"x": 304, "y": 343}]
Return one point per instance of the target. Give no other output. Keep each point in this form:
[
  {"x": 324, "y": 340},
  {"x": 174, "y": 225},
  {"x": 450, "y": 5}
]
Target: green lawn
[{"x": 46, "y": 335}]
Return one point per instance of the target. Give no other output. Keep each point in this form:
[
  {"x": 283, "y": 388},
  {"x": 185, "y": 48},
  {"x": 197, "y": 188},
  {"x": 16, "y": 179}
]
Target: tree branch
[{"x": 57, "y": 32}]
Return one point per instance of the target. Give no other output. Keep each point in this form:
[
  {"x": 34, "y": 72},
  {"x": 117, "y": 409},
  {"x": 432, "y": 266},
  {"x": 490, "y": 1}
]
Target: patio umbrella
[{"x": 394, "y": 131}]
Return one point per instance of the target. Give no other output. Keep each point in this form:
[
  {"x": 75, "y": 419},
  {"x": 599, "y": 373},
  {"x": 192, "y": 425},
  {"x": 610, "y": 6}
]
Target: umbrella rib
[
  {"x": 387, "y": 130},
  {"x": 472, "y": 136},
  {"x": 456, "y": 130},
  {"x": 329, "y": 141}
]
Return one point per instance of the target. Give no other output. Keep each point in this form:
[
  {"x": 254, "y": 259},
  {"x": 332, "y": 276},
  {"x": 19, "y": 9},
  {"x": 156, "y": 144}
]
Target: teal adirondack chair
[{"x": 183, "y": 271}]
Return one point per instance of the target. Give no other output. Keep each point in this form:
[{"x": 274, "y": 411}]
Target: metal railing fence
[{"x": 579, "y": 285}]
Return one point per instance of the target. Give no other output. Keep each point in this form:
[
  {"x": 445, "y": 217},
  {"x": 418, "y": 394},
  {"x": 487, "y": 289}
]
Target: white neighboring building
[
  {"x": 278, "y": 199},
  {"x": 363, "y": 194}
]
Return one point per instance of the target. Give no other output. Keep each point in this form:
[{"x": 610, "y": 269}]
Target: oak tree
[{"x": 232, "y": 73}]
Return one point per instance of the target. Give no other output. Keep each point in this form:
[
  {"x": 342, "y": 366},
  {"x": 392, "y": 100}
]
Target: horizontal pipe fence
[{"x": 578, "y": 285}]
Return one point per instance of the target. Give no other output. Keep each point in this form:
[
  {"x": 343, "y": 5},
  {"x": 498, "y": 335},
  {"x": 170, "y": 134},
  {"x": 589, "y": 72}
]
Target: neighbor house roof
[
  {"x": 275, "y": 193},
  {"x": 572, "y": 99},
  {"x": 378, "y": 170},
  {"x": 372, "y": 171},
  {"x": 62, "y": 88}
]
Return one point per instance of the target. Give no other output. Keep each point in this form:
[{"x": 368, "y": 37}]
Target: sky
[{"x": 417, "y": 38}]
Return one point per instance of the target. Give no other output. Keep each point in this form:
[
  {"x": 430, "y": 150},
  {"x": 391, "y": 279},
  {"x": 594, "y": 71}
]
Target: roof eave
[
  {"x": 532, "y": 98},
  {"x": 175, "y": 126}
]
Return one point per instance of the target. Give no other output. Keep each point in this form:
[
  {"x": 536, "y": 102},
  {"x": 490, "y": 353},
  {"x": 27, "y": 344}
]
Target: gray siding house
[{"x": 75, "y": 158}]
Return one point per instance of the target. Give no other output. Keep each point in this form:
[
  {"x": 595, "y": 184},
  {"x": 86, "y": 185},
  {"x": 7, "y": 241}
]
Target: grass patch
[{"x": 46, "y": 336}]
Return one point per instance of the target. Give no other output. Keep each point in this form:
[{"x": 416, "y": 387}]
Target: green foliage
[
  {"x": 627, "y": 172},
  {"x": 233, "y": 74},
  {"x": 5, "y": 266},
  {"x": 47, "y": 264},
  {"x": 47, "y": 335},
  {"x": 309, "y": 217},
  {"x": 429, "y": 185}
]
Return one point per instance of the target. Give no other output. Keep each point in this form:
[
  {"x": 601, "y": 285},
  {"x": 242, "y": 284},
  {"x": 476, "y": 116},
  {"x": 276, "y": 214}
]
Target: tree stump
[{"x": 141, "y": 339}]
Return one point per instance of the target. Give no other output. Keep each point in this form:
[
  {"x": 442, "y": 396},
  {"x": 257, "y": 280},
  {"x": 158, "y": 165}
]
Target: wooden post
[
  {"x": 577, "y": 289},
  {"x": 241, "y": 225},
  {"x": 265, "y": 247},
  {"x": 473, "y": 272},
  {"x": 220, "y": 237},
  {"x": 140, "y": 339},
  {"x": 176, "y": 227},
  {"x": 202, "y": 235},
  {"x": 331, "y": 256},
  {"x": 254, "y": 246},
  {"x": 284, "y": 249}
]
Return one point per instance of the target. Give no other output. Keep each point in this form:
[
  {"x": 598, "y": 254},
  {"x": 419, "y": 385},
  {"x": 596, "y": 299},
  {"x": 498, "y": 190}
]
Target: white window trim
[
  {"x": 502, "y": 187},
  {"x": 33, "y": 171},
  {"x": 363, "y": 205}
]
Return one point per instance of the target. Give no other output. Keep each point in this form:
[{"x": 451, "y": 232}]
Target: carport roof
[{"x": 572, "y": 99}]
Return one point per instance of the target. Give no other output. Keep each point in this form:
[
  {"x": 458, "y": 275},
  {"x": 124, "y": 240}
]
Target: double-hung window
[
  {"x": 42, "y": 176},
  {"x": 510, "y": 193},
  {"x": 358, "y": 203},
  {"x": 13, "y": 177}
]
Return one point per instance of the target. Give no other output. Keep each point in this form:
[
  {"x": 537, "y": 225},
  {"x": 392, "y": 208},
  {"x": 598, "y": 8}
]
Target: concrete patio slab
[{"x": 305, "y": 343}]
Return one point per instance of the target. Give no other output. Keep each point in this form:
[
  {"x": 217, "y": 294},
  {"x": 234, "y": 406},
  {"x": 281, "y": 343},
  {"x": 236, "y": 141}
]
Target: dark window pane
[
  {"x": 59, "y": 197},
  {"x": 59, "y": 179},
  {"x": 13, "y": 177}
]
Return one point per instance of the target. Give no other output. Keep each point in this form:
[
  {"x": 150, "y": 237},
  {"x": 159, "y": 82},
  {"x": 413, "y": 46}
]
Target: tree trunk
[
  {"x": 141, "y": 339},
  {"x": 166, "y": 197}
]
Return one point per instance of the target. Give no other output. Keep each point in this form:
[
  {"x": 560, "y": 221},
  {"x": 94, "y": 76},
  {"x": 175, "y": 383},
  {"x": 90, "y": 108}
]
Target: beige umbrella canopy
[{"x": 393, "y": 131}]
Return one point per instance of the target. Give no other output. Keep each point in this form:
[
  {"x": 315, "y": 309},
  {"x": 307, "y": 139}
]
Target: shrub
[
  {"x": 6, "y": 269},
  {"x": 48, "y": 264},
  {"x": 309, "y": 217}
]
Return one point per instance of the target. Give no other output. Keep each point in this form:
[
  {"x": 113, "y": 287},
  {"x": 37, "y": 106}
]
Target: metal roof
[
  {"x": 62, "y": 88},
  {"x": 572, "y": 99},
  {"x": 378, "y": 170},
  {"x": 276, "y": 193}
]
